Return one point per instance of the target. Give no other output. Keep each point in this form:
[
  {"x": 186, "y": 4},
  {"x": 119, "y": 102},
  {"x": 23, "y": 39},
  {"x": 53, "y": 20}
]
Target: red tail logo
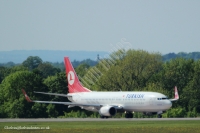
[
  {"x": 74, "y": 84},
  {"x": 70, "y": 78}
]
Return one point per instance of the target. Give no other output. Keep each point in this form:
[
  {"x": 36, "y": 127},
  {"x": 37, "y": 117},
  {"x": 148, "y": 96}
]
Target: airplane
[{"x": 107, "y": 104}]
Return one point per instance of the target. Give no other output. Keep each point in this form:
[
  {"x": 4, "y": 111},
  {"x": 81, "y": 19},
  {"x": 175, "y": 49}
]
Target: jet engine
[{"x": 107, "y": 111}]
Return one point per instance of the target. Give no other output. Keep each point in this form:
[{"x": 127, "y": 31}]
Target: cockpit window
[{"x": 163, "y": 98}]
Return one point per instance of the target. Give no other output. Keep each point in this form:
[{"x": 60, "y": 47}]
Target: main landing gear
[
  {"x": 102, "y": 117},
  {"x": 129, "y": 115},
  {"x": 159, "y": 115}
]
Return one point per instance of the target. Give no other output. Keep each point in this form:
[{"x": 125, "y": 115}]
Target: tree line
[
  {"x": 131, "y": 70},
  {"x": 165, "y": 57}
]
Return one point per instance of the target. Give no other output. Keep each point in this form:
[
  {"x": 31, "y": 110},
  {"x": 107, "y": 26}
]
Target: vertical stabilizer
[{"x": 74, "y": 84}]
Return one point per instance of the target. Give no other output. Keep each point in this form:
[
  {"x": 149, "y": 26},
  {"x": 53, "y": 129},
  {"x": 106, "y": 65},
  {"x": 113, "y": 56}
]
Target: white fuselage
[{"x": 130, "y": 101}]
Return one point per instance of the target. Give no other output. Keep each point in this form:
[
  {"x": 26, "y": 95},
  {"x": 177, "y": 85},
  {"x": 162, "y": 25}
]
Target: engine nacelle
[{"x": 107, "y": 111}]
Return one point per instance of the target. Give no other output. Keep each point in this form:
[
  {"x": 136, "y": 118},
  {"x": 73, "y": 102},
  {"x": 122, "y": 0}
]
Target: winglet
[
  {"x": 26, "y": 96},
  {"x": 176, "y": 96}
]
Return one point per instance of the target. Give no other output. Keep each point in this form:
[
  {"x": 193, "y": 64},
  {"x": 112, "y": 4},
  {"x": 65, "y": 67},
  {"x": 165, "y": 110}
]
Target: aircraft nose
[{"x": 168, "y": 103}]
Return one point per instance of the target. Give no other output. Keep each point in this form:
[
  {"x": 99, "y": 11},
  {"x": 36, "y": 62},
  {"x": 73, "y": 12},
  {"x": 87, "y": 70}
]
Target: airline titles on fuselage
[{"x": 135, "y": 96}]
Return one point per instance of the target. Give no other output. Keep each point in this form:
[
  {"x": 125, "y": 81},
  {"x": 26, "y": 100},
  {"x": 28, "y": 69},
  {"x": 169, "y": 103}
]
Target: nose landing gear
[{"x": 129, "y": 115}]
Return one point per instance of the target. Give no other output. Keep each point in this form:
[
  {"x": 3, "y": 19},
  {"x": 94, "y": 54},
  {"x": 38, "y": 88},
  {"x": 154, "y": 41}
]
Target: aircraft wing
[
  {"x": 176, "y": 96},
  {"x": 65, "y": 103}
]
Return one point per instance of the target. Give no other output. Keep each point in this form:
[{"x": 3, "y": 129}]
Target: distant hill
[
  {"x": 192, "y": 55},
  {"x": 18, "y": 56}
]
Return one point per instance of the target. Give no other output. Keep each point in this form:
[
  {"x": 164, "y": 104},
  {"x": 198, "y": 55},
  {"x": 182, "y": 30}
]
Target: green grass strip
[{"x": 103, "y": 127}]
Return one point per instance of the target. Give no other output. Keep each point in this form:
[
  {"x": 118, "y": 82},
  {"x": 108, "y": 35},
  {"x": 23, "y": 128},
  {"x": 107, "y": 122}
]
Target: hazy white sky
[{"x": 154, "y": 25}]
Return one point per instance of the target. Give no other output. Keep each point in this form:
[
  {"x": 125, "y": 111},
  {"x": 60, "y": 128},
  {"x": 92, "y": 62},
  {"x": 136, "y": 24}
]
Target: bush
[{"x": 176, "y": 113}]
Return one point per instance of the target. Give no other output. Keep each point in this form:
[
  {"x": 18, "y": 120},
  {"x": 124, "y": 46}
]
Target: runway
[{"x": 95, "y": 119}]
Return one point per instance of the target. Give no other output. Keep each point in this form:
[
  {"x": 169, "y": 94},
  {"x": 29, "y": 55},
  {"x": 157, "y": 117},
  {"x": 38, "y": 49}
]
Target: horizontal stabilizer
[{"x": 54, "y": 94}]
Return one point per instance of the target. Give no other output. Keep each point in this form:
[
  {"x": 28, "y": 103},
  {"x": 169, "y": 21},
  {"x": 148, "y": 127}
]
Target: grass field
[{"x": 104, "y": 127}]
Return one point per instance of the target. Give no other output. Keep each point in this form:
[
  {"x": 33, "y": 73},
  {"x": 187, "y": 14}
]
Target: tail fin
[{"x": 74, "y": 84}]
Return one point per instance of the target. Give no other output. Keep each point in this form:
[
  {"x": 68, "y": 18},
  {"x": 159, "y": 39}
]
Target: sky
[{"x": 86, "y": 25}]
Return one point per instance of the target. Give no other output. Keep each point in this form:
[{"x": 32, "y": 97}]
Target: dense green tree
[
  {"x": 92, "y": 76},
  {"x": 191, "y": 91},
  {"x": 47, "y": 69},
  {"x": 82, "y": 69},
  {"x": 13, "y": 103},
  {"x": 32, "y": 62},
  {"x": 132, "y": 71},
  {"x": 58, "y": 65},
  {"x": 57, "y": 84},
  {"x": 4, "y": 71},
  {"x": 52, "y": 111},
  {"x": 177, "y": 72}
]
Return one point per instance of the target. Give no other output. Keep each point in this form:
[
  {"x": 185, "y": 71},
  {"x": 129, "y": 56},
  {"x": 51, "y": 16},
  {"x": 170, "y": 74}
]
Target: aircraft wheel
[
  {"x": 159, "y": 115},
  {"x": 126, "y": 115},
  {"x": 102, "y": 117},
  {"x": 129, "y": 115}
]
